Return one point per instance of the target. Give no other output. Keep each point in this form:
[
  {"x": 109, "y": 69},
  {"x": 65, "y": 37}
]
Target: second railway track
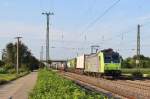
[{"x": 123, "y": 88}]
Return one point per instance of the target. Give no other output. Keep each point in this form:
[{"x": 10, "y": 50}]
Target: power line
[
  {"x": 142, "y": 25},
  {"x": 70, "y": 48},
  {"x": 102, "y": 15},
  {"x": 120, "y": 34},
  {"x": 46, "y": 5},
  {"x": 40, "y": 4},
  {"x": 71, "y": 41},
  {"x": 91, "y": 6}
]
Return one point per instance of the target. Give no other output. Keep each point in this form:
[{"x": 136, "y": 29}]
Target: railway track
[
  {"x": 134, "y": 84},
  {"x": 120, "y": 87},
  {"x": 143, "y": 83}
]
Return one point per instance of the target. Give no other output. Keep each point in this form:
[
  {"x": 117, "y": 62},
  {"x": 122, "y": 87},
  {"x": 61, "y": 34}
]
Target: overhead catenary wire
[
  {"x": 92, "y": 23},
  {"x": 130, "y": 30},
  {"x": 104, "y": 41},
  {"x": 143, "y": 45},
  {"x": 69, "y": 48},
  {"x": 122, "y": 35},
  {"x": 90, "y": 7},
  {"x": 99, "y": 17}
]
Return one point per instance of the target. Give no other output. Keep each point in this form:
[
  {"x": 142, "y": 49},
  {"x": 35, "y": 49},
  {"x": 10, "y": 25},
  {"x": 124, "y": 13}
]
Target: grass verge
[
  {"x": 5, "y": 78},
  {"x": 52, "y": 86},
  {"x": 130, "y": 71}
]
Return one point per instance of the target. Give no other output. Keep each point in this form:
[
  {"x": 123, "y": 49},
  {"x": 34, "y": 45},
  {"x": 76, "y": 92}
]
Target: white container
[
  {"x": 80, "y": 62},
  {"x": 92, "y": 63},
  {"x": 68, "y": 64}
]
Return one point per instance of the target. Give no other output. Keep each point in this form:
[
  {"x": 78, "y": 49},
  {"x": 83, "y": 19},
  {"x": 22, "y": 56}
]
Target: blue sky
[{"x": 117, "y": 29}]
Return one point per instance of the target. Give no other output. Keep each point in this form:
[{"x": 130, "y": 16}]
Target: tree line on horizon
[
  {"x": 130, "y": 62},
  {"x": 26, "y": 59}
]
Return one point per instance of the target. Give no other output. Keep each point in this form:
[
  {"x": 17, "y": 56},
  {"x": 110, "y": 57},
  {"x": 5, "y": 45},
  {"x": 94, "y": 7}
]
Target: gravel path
[{"x": 18, "y": 89}]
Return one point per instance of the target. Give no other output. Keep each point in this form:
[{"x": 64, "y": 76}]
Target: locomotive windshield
[
  {"x": 112, "y": 58},
  {"x": 115, "y": 58},
  {"x": 107, "y": 59}
]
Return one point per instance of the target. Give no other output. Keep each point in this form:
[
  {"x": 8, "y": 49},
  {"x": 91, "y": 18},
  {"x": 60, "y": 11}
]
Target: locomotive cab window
[
  {"x": 107, "y": 59},
  {"x": 115, "y": 58}
]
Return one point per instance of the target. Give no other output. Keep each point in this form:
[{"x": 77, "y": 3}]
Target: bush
[
  {"x": 1, "y": 63},
  {"x": 3, "y": 71},
  {"x": 8, "y": 66},
  {"x": 12, "y": 71},
  {"x": 137, "y": 74},
  {"x": 52, "y": 86},
  {"x": 130, "y": 71},
  {"x": 23, "y": 68}
]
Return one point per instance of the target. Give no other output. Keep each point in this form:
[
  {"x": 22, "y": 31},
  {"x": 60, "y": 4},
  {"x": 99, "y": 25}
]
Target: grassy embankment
[
  {"x": 7, "y": 76},
  {"x": 144, "y": 71},
  {"x": 52, "y": 86}
]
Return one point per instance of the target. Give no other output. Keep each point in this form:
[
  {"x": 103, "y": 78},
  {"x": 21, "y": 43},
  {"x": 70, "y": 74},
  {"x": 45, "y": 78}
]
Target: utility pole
[
  {"x": 47, "y": 34},
  {"x": 138, "y": 46},
  {"x": 41, "y": 54},
  {"x": 18, "y": 41}
]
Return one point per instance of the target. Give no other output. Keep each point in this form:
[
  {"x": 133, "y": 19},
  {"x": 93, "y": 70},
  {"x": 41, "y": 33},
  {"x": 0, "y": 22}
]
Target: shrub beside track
[{"x": 131, "y": 70}]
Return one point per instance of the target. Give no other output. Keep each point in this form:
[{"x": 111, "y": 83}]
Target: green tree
[
  {"x": 1, "y": 63},
  {"x": 9, "y": 54},
  {"x": 131, "y": 62},
  {"x": 27, "y": 60}
]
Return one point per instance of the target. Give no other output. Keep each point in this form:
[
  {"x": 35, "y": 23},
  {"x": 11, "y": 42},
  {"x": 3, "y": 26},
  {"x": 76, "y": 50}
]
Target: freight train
[{"x": 106, "y": 62}]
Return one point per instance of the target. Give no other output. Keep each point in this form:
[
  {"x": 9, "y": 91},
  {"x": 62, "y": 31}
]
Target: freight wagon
[
  {"x": 59, "y": 65},
  {"x": 80, "y": 64}
]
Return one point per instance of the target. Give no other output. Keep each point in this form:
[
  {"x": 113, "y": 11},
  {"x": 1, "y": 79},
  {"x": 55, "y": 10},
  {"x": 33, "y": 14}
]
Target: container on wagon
[
  {"x": 92, "y": 63},
  {"x": 80, "y": 62},
  {"x": 71, "y": 63}
]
